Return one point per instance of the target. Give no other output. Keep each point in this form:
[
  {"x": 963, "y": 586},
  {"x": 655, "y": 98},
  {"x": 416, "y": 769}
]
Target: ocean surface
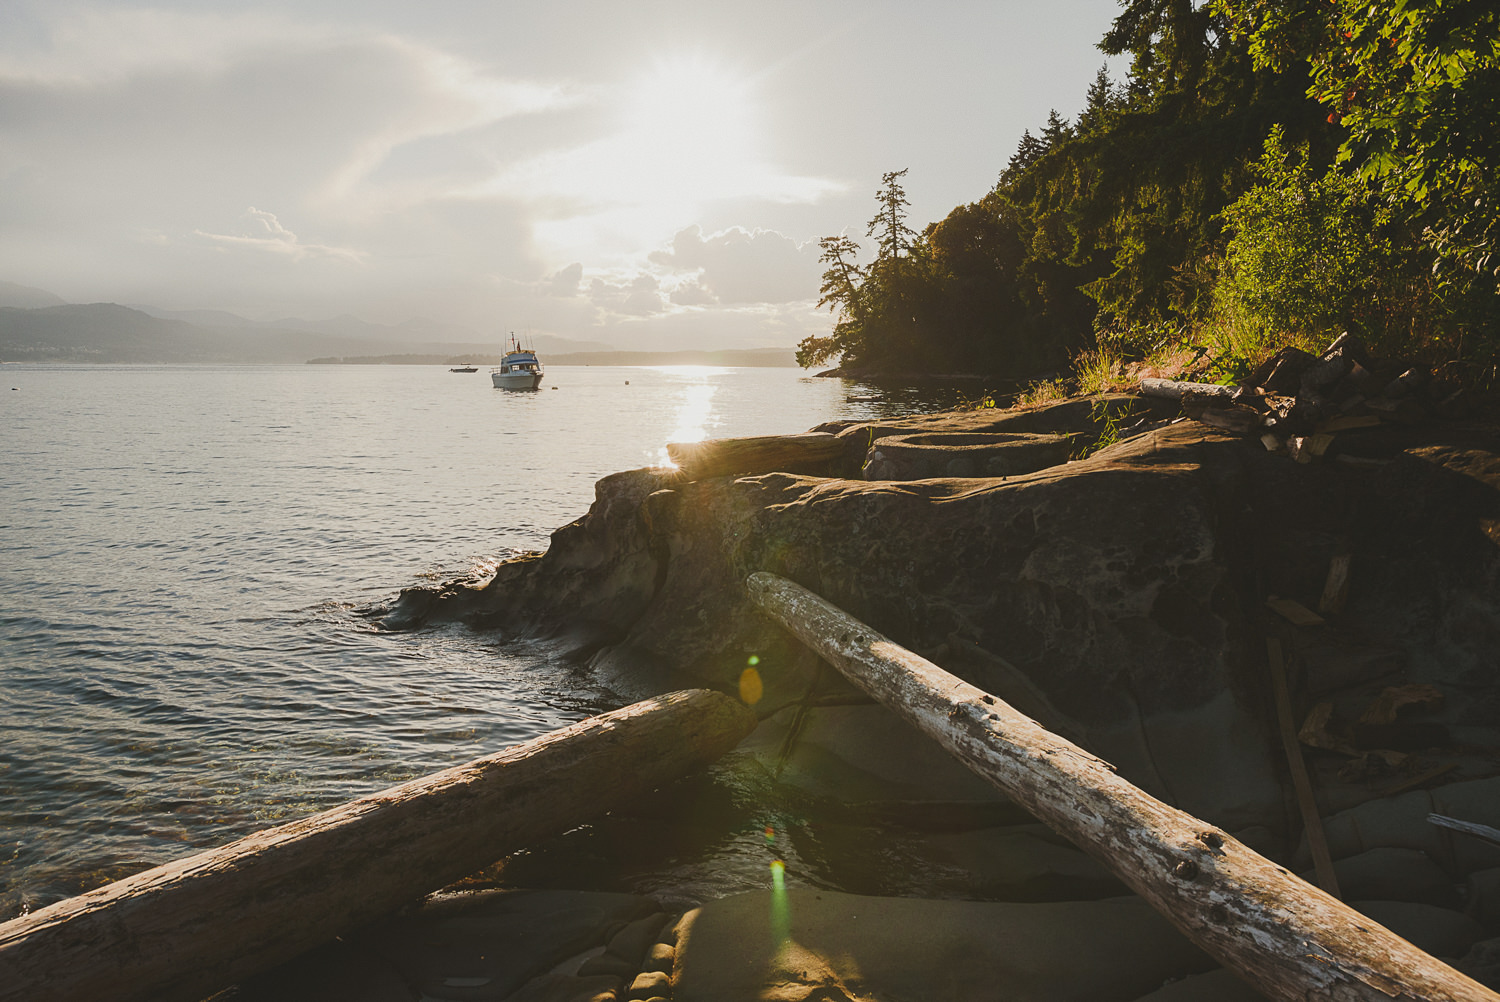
[{"x": 185, "y": 552}]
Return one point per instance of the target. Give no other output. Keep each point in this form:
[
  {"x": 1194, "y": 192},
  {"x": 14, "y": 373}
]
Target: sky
[{"x": 654, "y": 175}]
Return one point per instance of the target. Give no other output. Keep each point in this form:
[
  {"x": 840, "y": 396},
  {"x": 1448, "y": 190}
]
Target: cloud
[
  {"x": 563, "y": 283},
  {"x": 739, "y": 266},
  {"x": 638, "y": 297},
  {"x": 281, "y": 240}
]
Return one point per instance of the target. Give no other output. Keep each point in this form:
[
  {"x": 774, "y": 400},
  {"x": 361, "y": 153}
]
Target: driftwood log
[
  {"x": 1172, "y": 389},
  {"x": 186, "y": 929},
  {"x": 810, "y": 452},
  {"x": 1280, "y": 934}
]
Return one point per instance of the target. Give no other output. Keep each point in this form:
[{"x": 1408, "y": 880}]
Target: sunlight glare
[
  {"x": 689, "y": 124},
  {"x": 694, "y": 410}
]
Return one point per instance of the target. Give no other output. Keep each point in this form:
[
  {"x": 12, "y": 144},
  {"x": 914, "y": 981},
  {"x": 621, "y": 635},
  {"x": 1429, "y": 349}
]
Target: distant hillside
[
  {"x": 24, "y": 297},
  {"x": 106, "y": 332},
  {"x": 417, "y": 336}
]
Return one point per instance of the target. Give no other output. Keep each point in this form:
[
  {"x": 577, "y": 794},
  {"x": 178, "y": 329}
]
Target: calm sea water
[{"x": 184, "y": 551}]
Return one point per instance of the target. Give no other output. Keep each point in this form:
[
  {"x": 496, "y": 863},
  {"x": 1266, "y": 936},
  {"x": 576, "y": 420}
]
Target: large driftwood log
[
  {"x": 186, "y": 929},
  {"x": 809, "y": 452},
  {"x": 1172, "y": 389},
  {"x": 1279, "y": 933}
]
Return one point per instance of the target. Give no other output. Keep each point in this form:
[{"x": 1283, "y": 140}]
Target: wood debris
[
  {"x": 1300, "y": 404},
  {"x": 1293, "y": 611}
]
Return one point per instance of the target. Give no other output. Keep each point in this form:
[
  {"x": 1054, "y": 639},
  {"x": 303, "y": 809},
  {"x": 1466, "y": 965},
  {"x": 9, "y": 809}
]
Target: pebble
[
  {"x": 630, "y": 943},
  {"x": 663, "y": 957},
  {"x": 649, "y": 985}
]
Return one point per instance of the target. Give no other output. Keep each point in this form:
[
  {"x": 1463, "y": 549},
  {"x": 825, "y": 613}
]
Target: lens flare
[{"x": 751, "y": 688}]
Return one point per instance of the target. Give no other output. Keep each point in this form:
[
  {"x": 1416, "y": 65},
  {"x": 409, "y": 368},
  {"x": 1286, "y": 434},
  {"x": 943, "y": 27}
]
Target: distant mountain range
[{"x": 37, "y": 326}]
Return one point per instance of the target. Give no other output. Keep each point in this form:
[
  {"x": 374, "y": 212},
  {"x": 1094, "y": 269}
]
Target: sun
[{"x": 688, "y": 131}]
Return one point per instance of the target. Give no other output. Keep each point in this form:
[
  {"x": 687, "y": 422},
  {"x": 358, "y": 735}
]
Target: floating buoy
[{"x": 627, "y": 382}]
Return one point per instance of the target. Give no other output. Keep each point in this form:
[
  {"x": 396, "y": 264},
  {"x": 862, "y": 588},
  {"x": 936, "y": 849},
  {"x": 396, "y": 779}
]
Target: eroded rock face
[{"x": 1117, "y": 599}]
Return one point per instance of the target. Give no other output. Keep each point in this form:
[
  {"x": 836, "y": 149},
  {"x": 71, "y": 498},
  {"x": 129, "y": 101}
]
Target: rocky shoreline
[{"x": 1102, "y": 564}]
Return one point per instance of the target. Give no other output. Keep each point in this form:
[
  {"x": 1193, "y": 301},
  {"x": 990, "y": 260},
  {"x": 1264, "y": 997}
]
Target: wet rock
[
  {"x": 486, "y": 946},
  {"x": 805, "y": 942}
]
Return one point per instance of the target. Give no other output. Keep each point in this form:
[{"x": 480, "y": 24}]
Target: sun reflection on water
[{"x": 695, "y": 406}]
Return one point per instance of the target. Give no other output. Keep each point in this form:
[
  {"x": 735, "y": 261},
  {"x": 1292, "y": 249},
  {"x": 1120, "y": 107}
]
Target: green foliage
[
  {"x": 1416, "y": 86},
  {"x": 1164, "y": 216},
  {"x": 1308, "y": 254}
]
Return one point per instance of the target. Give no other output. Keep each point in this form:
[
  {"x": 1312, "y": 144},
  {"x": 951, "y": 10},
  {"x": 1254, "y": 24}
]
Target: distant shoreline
[{"x": 745, "y": 358}]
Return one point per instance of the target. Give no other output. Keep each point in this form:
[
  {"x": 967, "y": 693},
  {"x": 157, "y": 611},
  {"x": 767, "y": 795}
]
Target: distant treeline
[{"x": 1272, "y": 172}]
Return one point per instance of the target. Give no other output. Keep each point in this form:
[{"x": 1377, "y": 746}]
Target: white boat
[{"x": 520, "y": 369}]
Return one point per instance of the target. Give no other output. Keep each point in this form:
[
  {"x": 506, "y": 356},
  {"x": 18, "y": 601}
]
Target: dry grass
[{"x": 1045, "y": 392}]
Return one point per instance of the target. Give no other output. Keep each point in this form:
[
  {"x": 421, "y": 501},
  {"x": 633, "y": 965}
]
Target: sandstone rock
[
  {"x": 808, "y": 943},
  {"x": 1215, "y": 986},
  {"x": 649, "y": 985},
  {"x": 1026, "y": 863},
  {"x": 860, "y": 755},
  {"x": 1393, "y": 874},
  {"x": 1482, "y": 963},
  {"x": 964, "y": 454},
  {"x": 1440, "y": 932},
  {"x": 1401, "y": 821},
  {"x": 632, "y": 942},
  {"x": 1484, "y": 898},
  {"x": 607, "y": 964},
  {"x": 661, "y": 957},
  {"x": 1118, "y": 591},
  {"x": 486, "y": 946},
  {"x": 563, "y": 988}
]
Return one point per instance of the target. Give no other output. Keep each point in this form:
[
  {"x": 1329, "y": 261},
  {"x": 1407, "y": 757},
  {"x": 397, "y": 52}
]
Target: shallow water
[{"x": 184, "y": 551}]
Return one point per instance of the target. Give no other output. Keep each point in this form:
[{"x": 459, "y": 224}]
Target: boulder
[
  {"x": 1394, "y": 874},
  {"x": 1483, "y": 895},
  {"x": 1215, "y": 986},
  {"x": 1401, "y": 821},
  {"x": 963, "y": 454},
  {"x": 1482, "y": 963},
  {"x": 1439, "y": 931},
  {"x": 1119, "y": 598}
]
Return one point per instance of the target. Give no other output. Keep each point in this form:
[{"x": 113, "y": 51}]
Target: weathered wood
[
  {"x": 1235, "y": 420},
  {"x": 1485, "y": 832},
  {"x": 1307, "y": 803},
  {"x": 1281, "y": 934},
  {"x": 1172, "y": 389},
  {"x": 188, "y": 928},
  {"x": 1335, "y": 586},
  {"x": 1293, "y": 611},
  {"x": 809, "y": 452}
]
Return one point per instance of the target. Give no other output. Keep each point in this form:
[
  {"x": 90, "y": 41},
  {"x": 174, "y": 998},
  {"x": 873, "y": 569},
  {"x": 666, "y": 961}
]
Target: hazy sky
[{"x": 648, "y": 174}]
